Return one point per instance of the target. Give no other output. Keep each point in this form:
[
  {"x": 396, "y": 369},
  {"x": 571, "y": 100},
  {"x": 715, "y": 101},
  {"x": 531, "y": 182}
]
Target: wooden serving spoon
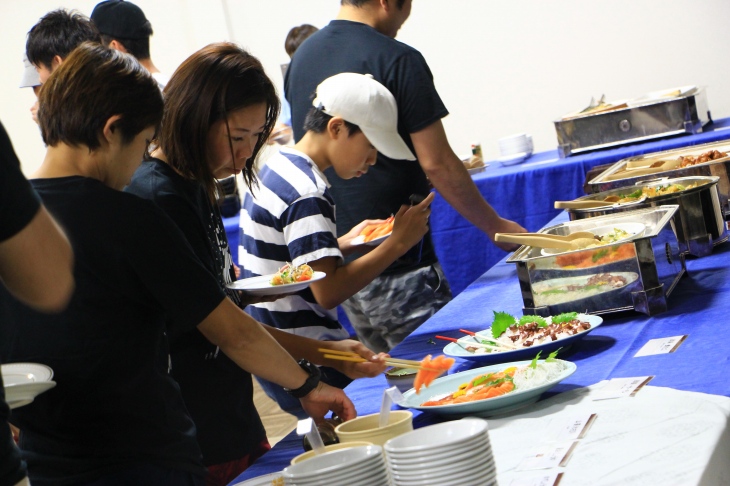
[{"x": 586, "y": 204}]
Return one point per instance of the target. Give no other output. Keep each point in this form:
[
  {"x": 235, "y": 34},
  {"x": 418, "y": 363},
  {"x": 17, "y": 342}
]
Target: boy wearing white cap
[{"x": 291, "y": 216}]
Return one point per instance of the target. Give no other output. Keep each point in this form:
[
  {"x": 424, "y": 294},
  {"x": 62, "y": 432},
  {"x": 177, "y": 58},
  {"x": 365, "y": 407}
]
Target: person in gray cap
[
  {"x": 31, "y": 79},
  {"x": 124, "y": 27}
]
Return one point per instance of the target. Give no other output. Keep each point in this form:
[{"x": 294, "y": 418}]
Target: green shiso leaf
[
  {"x": 565, "y": 317},
  {"x": 501, "y": 322},
  {"x": 541, "y": 322}
]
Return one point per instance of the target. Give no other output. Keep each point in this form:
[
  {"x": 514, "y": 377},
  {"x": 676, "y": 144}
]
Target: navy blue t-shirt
[
  {"x": 217, "y": 392},
  {"x": 18, "y": 206},
  {"x": 344, "y": 46},
  {"x": 115, "y": 405}
]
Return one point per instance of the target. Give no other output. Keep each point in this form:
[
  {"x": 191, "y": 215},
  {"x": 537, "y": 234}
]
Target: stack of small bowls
[
  {"x": 356, "y": 466},
  {"x": 515, "y": 148},
  {"x": 447, "y": 454}
]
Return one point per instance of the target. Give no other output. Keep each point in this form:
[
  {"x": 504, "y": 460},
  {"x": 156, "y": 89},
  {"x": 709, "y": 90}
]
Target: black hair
[
  {"x": 139, "y": 48},
  {"x": 316, "y": 121},
  {"x": 57, "y": 34},
  {"x": 296, "y": 36}
]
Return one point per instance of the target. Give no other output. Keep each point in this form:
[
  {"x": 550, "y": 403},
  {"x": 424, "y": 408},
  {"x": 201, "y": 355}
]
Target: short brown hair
[
  {"x": 212, "y": 82},
  {"x": 93, "y": 84},
  {"x": 296, "y": 36}
]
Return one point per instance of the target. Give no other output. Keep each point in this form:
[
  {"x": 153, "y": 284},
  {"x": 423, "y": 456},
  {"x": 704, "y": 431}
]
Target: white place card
[
  {"x": 548, "y": 456},
  {"x": 572, "y": 428},
  {"x": 549, "y": 479},
  {"x": 660, "y": 346},
  {"x": 622, "y": 387}
]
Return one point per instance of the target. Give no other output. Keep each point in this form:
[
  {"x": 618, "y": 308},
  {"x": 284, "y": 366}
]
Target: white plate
[
  {"x": 480, "y": 408},
  {"x": 455, "y": 351},
  {"x": 25, "y": 381},
  {"x": 360, "y": 240},
  {"x": 21, "y": 373},
  {"x": 514, "y": 159},
  {"x": 262, "y": 285}
]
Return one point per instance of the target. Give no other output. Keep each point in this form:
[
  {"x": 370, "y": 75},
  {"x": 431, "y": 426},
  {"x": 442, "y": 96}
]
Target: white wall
[{"x": 501, "y": 67}]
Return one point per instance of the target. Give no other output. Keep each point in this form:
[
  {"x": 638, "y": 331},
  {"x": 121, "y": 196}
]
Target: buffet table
[
  {"x": 674, "y": 428},
  {"x": 525, "y": 193}
]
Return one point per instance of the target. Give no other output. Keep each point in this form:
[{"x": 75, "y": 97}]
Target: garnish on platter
[
  {"x": 290, "y": 274},
  {"x": 509, "y": 333},
  {"x": 511, "y": 379}
]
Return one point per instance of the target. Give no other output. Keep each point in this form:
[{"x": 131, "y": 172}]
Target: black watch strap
[{"x": 310, "y": 384}]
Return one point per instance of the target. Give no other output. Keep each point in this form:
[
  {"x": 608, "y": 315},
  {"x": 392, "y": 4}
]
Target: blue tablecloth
[
  {"x": 698, "y": 308},
  {"x": 525, "y": 193}
]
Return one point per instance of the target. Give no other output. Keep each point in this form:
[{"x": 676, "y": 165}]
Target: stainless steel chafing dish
[
  {"x": 618, "y": 176},
  {"x": 685, "y": 113},
  {"x": 637, "y": 274},
  {"x": 699, "y": 222}
]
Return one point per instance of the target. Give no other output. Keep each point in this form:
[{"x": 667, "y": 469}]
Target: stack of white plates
[
  {"x": 515, "y": 148},
  {"x": 22, "y": 382},
  {"x": 450, "y": 453},
  {"x": 357, "y": 466}
]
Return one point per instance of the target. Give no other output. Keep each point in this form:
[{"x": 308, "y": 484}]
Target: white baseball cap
[
  {"x": 30, "y": 75},
  {"x": 362, "y": 101}
]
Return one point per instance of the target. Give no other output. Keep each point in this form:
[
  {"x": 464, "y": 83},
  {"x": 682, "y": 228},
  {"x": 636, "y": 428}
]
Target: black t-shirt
[
  {"x": 344, "y": 46},
  {"x": 115, "y": 405},
  {"x": 217, "y": 392},
  {"x": 18, "y": 206}
]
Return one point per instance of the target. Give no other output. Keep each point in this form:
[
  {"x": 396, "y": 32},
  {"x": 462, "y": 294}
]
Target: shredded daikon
[{"x": 528, "y": 377}]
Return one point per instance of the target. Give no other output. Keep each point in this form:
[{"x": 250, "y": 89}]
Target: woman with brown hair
[{"x": 220, "y": 108}]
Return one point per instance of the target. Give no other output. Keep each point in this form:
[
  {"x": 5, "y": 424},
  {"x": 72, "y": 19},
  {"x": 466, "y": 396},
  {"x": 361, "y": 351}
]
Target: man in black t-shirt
[
  {"x": 362, "y": 40},
  {"x": 35, "y": 265}
]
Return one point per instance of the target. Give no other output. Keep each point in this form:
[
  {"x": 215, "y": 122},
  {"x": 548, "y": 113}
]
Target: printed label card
[
  {"x": 622, "y": 387},
  {"x": 661, "y": 346},
  {"x": 548, "y": 456},
  {"x": 549, "y": 479},
  {"x": 571, "y": 428}
]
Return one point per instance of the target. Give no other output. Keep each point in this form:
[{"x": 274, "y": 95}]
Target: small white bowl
[
  {"x": 332, "y": 447},
  {"x": 402, "y": 378},
  {"x": 367, "y": 428},
  {"x": 438, "y": 435}
]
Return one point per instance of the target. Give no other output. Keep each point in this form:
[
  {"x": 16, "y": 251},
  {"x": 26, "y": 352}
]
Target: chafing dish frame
[
  {"x": 664, "y": 117},
  {"x": 658, "y": 262}
]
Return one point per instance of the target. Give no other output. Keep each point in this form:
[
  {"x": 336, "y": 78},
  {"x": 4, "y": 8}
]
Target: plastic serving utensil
[
  {"x": 390, "y": 395},
  {"x": 307, "y": 427},
  {"x": 572, "y": 236}
]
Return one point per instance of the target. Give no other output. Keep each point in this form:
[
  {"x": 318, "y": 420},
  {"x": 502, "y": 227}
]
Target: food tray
[
  {"x": 611, "y": 178},
  {"x": 647, "y": 120},
  {"x": 639, "y": 274},
  {"x": 699, "y": 223}
]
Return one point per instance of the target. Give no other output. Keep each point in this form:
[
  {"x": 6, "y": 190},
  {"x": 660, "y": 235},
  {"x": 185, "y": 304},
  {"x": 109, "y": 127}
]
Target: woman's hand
[
  {"x": 373, "y": 367},
  {"x": 325, "y": 398}
]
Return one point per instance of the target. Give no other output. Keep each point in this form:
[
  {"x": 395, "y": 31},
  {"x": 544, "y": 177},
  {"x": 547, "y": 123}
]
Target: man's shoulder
[{"x": 361, "y": 37}]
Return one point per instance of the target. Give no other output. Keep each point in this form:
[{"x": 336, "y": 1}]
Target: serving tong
[
  {"x": 590, "y": 203},
  {"x": 574, "y": 241}
]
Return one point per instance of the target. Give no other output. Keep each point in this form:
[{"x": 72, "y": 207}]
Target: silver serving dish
[
  {"x": 639, "y": 273},
  {"x": 617, "y": 176},
  {"x": 686, "y": 113},
  {"x": 699, "y": 223}
]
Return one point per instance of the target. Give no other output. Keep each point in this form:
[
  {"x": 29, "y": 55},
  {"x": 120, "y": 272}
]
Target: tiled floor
[{"x": 278, "y": 424}]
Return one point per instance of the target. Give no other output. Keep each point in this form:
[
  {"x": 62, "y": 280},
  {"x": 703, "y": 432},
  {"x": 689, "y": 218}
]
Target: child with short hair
[{"x": 291, "y": 217}]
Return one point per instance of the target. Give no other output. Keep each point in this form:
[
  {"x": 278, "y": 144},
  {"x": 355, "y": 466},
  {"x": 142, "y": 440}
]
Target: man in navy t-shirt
[{"x": 361, "y": 40}]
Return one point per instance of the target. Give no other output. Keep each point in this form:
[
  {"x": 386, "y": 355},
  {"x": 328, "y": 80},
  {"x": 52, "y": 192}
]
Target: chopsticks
[
  {"x": 475, "y": 344},
  {"x": 356, "y": 358},
  {"x": 498, "y": 344}
]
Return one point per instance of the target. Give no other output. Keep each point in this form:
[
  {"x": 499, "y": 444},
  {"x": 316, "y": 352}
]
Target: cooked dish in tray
[
  {"x": 560, "y": 290},
  {"x": 650, "y": 191}
]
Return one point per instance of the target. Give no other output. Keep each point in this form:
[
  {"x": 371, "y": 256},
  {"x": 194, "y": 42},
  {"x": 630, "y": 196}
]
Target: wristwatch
[{"x": 311, "y": 382}]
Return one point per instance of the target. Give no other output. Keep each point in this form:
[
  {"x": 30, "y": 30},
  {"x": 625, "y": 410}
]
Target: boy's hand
[
  {"x": 373, "y": 367},
  {"x": 411, "y": 222},
  {"x": 345, "y": 241}
]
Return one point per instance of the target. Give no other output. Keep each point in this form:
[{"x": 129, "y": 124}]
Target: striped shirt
[{"x": 290, "y": 217}]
